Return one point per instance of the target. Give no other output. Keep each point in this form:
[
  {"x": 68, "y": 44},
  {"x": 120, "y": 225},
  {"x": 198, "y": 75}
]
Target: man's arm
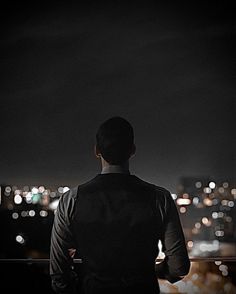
[
  {"x": 61, "y": 262},
  {"x": 176, "y": 263}
]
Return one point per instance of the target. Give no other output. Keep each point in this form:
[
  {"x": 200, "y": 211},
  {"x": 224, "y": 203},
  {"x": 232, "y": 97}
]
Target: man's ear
[
  {"x": 133, "y": 150},
  {"x": 96, "y": 151}
]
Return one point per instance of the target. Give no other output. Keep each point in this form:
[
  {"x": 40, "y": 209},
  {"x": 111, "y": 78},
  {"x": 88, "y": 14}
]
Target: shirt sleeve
[
  {"x": 61, "y": 263},
  {"x": 176, "y": 263}
]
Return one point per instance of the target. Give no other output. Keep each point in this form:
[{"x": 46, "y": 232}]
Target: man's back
[
  {"x": 116, "y": 221},
  {"x": 116, "y": 224}
]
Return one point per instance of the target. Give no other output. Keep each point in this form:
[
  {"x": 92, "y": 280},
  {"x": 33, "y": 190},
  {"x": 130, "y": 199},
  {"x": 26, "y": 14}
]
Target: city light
[
  {"x": 53, "y": 205},
  {"x": 60, "y": 190},
  {"x": 20, "y": 239},
  {"x": 212, "y": 185},
  {"x": 221, "y": 190},
  {"x": 8, "y": 189},
  {"x": 174, "y": 196},
  {"x": 35, "y": 190},
  {"x": 198, "y": 184},
  {"x": 183, "y": 201},
  {"x": 208, "y": 202},
  {"x": 219, "y": 233},
  {"x": 17, "y": 199},
  {"x": 15, "y": 215},
  {"x": 207, "y": 190},
  {"x": 205, "y": 220},
  {"x": 190, "y": 244},
  {"x": 43, "y": 213},
  {"x": 31, "y": 213},
  {"x": 41, "y": 189},
  {"x": 28, "y": 197},
  {"x": 65, "y": 189},
  {"x": 225, "y": 185},
  {"x": 182, "y": 209}
]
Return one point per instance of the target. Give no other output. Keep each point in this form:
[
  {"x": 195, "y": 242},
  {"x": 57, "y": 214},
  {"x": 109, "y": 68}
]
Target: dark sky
[{"x": 66, "y": 68}]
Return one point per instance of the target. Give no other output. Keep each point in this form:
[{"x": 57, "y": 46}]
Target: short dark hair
[{"x": 115, "y": 140}]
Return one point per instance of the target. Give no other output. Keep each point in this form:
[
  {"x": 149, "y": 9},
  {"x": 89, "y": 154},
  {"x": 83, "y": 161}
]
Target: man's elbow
[{"x": 177, "y": 274}]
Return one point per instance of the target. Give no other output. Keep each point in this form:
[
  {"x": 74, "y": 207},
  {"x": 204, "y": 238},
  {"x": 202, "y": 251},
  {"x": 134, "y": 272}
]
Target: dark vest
[{"x": 117, "y": 222}]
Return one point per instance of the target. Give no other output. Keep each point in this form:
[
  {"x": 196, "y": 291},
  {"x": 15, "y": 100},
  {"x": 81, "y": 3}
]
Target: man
[{"x": 114, "y": 223}]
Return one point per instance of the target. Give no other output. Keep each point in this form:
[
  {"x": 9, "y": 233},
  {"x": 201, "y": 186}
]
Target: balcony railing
[{"x": 46, "y": 260}]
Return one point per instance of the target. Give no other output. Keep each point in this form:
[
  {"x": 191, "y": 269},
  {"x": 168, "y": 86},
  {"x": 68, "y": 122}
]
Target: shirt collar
[{"x": 114, "y": 169}]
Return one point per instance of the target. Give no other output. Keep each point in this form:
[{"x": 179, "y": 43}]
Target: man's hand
[{"x": 72, "y": 252}]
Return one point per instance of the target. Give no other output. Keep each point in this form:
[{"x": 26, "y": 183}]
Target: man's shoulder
[
  {"x": 94, "y": 183},
  {"x": 154, "y": 187}
]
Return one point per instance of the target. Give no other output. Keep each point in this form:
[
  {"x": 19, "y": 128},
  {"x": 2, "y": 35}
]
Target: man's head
[{"x": 115, "y": 141}]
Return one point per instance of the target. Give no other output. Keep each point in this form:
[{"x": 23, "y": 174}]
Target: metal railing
[{"x": 46, "y": 260}]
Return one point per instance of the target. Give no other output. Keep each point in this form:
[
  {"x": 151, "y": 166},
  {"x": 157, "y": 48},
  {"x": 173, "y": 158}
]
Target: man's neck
[{"x": 112, "y": 168}]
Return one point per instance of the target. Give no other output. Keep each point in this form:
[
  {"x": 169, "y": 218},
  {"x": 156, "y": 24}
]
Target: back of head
[{"x": 115, "y": 140}]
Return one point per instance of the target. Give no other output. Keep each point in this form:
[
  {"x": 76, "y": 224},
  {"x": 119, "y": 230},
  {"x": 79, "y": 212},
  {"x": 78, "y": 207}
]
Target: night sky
[{"x": 66, "y": 68}]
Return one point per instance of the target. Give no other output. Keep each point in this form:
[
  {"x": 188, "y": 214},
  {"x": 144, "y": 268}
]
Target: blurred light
[
  {"x": 228, "y": 219},
  {"x": 185, "y": 195},
  {"x": 41, "y": 189},
  {"x": 221, "y": 214},
  {"x": 53, "y": 194},
  {"x": 9, "y": 206},
  {"x": 60, "y": 190},
  {"x": 36, "y": 198},
  {"x": 45, "y": 192},
  {"x": 217, "y": 262},
  {"x": 225, "y": 273},
  {"x": 43, "y": 213},
  {"x": 8, "y": 189},
  {"x": 223, "y": 267},
  {"x": 207, "y": 202},
  {"x": 228, "y": 287},
  {"x": 20, "y": 239},
  {"x": 190, "y": 244},
  {"x": 195, "y": 231},
  {"x": 225, "y": 185},
  {"x": 231, "y": 204},
  {"x": 65, "y": 189},
  {"x": 23, "y": 213},
  {"x": 215, "y": 201},
  {"x": 198, "y": 225},
  {"x": 205, "y": 220},
  {"x": 35, "y": 190},
  {"x": 183, "y": 201},
  {"x": 28, "y": 197},
  {"x": 182, "y": 209},
  {"x": 212, "y": 185},
  {"x": 174, "y": 196},
  {"x": 207, "y": 190},
  {"x": 214, "y": 246},
  {"x": 198, "y": 184},
  {"x": 53, "y": 205},
  {"x": 194, "y": 277},
  {"x": 219, "y": 233},
  {"x": 195, "y": 200},
  {"x": 15, "y": 215},
  {"x": 161, "y": 253},
  {"x": 221, "y": 190},
  {"x": 214, "y": 215},
  {"x": 31, "y": 213},
  {"x": 17, "y": 191},
  {"x": 17, "y": 199},
  {"x": 26, "y": 188},
  {"x": 224, "y": 202},
  {"x": 233, "y": 191}
]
